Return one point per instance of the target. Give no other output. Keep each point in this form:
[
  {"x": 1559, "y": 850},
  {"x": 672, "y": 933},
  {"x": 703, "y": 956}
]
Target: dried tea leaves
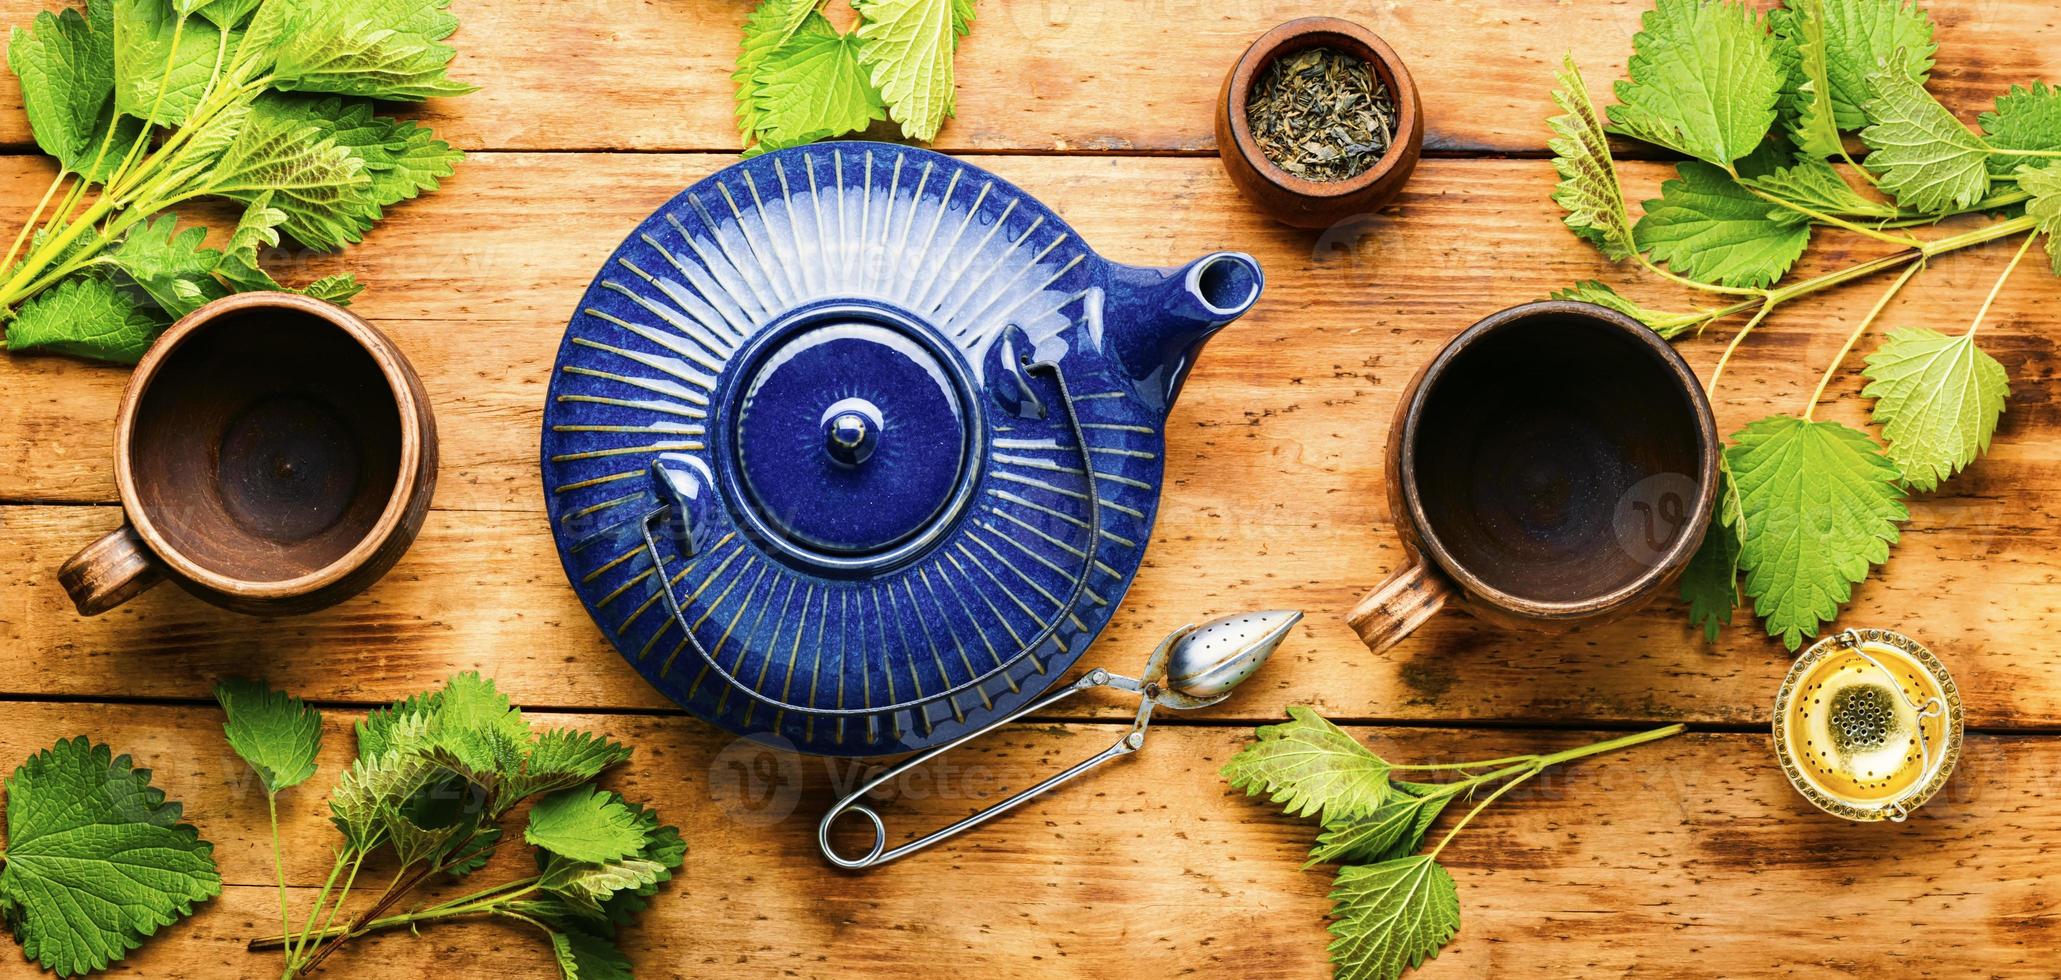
[{"x": 1320, "y": 114}]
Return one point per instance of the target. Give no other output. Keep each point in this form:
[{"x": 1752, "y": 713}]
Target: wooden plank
[
  {"x": 1072, "y": 76},
  {"x": 1299, "y": 393},
  {"x": 1687, "y": 852},
  {"x": 484, "y": 591},
  {"x": 1274, "y": 491}
]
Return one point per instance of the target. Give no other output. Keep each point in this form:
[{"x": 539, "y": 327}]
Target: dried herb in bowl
[{"x": 1320, "y": 114}]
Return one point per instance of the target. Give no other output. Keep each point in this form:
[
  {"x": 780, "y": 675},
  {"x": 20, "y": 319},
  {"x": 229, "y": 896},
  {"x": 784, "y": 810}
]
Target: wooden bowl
[{"x": 1295, "y": 200}]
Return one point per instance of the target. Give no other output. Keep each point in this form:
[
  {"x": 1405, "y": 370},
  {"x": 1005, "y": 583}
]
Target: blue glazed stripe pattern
[{"x": 860, "y": 390}]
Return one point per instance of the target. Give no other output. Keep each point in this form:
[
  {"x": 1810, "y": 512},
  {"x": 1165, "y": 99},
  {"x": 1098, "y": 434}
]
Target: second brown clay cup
[
  {"x": 1553, "y": 466},
  {"x": 274, "y": 454}
]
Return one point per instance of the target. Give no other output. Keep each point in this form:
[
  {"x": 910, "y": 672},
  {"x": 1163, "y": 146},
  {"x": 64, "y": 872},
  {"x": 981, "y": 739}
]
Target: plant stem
[
  {"x": 1827, "y": 219},
  {"x": 164, "y": 84},
  {"x": 395, "y": 891},
  {"x": 483, "y": 901},
  {"x": 279, "y": 862},
  {"x": 336, "y": 867},
  {"x": 1999, "y": 287},
  {"x": 1483, "y": 764},
  {"x": 1539, "y": 763},
  {"x": 1529, "y": 772},
  {"x": 34, "y": 216},
  {"x": 1855, "y": 336},
  {"x": 1707, "y": 287},
  {"x": 1767, "y": 306},
  {"x": 1611, "y": 745}
]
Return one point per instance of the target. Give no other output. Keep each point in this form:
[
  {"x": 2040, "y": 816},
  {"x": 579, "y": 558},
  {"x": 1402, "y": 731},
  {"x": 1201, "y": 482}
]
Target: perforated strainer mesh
[{"x": 1868, "y": 724}]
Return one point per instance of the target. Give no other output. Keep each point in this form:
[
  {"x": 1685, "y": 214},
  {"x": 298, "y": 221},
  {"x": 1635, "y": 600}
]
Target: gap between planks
[{"x": 1168, "y": 719}]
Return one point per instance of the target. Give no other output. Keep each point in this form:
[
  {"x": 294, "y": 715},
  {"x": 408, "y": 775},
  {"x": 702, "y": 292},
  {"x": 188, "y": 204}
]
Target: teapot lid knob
[{"x": 851, "y": 431}]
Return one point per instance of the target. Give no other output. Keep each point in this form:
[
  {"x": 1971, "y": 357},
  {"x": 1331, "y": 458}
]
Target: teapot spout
[{"x": 1158, "y": 319}]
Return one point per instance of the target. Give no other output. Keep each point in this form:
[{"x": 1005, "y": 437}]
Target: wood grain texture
[
  {"x": 1689, "y": 857},
  {"x": 1076, "y": 75},
  {"x": 1692, "y": 857},
  {"x": 1274, "y": 492}
]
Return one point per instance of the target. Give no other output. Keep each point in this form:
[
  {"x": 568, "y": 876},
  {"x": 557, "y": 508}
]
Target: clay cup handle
[
  {"x": 110, "y": 571},
  {"x": 1399, "y": 606}
]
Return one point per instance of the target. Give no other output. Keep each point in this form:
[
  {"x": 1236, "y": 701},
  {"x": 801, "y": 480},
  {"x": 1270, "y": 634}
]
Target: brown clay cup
[
  {"x": 1553, "y": 466},
  {"x": 1297, "y": 201},
  {"x": 274, "y": 454}
]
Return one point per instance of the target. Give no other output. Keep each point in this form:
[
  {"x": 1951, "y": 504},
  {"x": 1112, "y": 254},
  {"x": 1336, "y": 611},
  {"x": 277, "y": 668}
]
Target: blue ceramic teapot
[{"x": 857, "y": 446}]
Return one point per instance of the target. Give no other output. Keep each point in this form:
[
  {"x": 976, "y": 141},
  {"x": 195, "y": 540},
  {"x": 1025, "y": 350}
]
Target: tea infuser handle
[
  {"x": 1149, "y": 690},
  {"x": 1929, "y": 763},
  {"x": 879, "y": 854},
  {"x": 1400, "y": 605},
  {"x": 110, "y": 571},
  {"x": 1080, "y": 586}
]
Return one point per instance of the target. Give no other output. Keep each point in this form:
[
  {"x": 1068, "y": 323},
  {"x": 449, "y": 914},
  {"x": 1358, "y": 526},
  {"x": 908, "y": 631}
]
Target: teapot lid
[{"x": 834, "y": 453}]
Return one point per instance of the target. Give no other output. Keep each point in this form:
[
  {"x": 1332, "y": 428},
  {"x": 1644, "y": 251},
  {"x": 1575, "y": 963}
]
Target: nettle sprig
[
  {"x": 1764, "y": 105},
  {"x": 1391, "y": 907},
  {"x": 799, "y": 79},
  {"x": 434, "y": 778},
  {"x": 147, "y": 105}
]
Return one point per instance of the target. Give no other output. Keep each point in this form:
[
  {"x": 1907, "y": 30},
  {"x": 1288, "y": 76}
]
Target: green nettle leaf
[
  {"x": 584, "y": 956},
  {"x": 585, "y": 824},
  {"x": 1391, "y": 917},
  {"x": 1817, "y": 185},
  {"x": 1816, "y": 126},
  {"x": 367, "y": 792},
  {"x": 1710, "y": 583},
  {"x": 2044, "y": 184},
  {"x": 397, "y": 727},
  {"x": 170, "y": 265},
  {"x": 403, "y": 160},
  {"x": 1394, "y": 830},
  {"x": 1924, "y": 155},
  {"x": 766, "y": 30},
  {"x": 1588, "y": 188},
  {"x": 1704, "y": 80},
  {"x": 414, "y": 843},
  {"x": 475, "y": 731},
  {"x": 2025, "y": 118},
  {"x": 563, "y": 758},
  {"x": 186, "y": 173},
  {"x": 1858, "y": 37},
  {"x": 585, "y": 886},
  {"x": 1819, "y": 503},
  {"x": 1667, "y": 325},
  {"x": 814, "y": 86},
  {"x": 65, "y": 63},
  {"x": 226, "y": 13},
  {"x": 256, "y": 231},
  {"x": 97, "y": 860},
  {"x": 322, "y": 187},
  {"x": 377, "y": 49},
  {"x": 1709, "y": 228},
  {"x": 87, "y": 316},
  {"x": 1307, "y": 765},
  {"x": 338, "y": 289},
  {"x": 277, "y": 733},
  {"x": 907, "y": 46},
  {"x": 1937, "y": 399},
  {"x": 163, "y": 62},
  {"x": 664, "y": 847}
]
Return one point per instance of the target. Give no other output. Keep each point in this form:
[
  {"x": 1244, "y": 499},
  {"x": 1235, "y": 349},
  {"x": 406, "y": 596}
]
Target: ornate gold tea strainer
[{"x": 1868, "y": 725}]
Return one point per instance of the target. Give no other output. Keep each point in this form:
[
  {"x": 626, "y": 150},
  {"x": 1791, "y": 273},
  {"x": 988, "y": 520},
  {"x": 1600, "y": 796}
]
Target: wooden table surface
[{"x": 1692, "y": 856}]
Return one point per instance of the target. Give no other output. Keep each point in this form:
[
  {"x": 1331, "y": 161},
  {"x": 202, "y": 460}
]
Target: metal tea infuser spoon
[{"x": 1194, "y": 667}]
